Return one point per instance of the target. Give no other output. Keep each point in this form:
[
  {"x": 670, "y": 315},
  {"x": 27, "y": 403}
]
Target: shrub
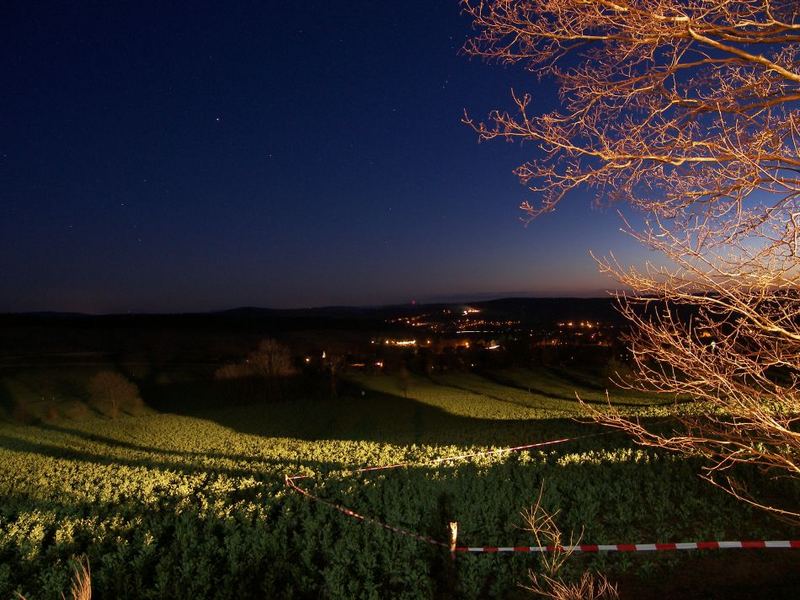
[{"x": 110, "y": 392}]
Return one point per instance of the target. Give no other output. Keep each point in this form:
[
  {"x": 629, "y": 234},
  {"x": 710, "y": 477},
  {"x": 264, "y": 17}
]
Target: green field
[{"x": 189, "y": 501}]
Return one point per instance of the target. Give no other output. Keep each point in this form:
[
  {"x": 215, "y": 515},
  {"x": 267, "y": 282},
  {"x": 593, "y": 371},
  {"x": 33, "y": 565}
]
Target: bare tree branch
[{"x": 687, "y": 110}]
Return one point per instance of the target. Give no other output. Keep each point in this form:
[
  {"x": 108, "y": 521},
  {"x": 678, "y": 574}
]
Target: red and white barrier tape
[
  {"x": 438, "y": 461},
  {"x": 290, "y": 482},
  {"x": 351, "y": 513},
  {"x": 745, "y": 544},
  {"x": 591, "y": 548}
]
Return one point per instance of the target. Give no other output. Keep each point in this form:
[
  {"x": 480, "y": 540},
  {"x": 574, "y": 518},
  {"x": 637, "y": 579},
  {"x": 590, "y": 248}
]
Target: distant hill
[
  {"x": 227, "y": 331},
  {"x": 533, "y": 311}
]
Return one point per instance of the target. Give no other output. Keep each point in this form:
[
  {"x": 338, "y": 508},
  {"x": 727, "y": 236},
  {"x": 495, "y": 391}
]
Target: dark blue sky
[{"x": 183, "y": 156}]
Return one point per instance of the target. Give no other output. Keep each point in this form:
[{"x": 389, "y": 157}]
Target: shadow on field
[
  {"x": 204, "y": 462},
  {"x": 115, "y": 444},
  {"x": 374, "y": 416},
  {"x": 6, "y": 402},
  {"x": 477, "y": 392},
  {"x": 773, "y": 574},
  {"x": 509, "y": 382}
]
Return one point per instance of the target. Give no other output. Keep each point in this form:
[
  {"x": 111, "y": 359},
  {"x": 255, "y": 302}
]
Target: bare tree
[
  {"x": 264, "y": 371},
  {"x": 110, "y": 392},
  {"x": 270, "y": 360},
  {"x": 688, "y": 110}
]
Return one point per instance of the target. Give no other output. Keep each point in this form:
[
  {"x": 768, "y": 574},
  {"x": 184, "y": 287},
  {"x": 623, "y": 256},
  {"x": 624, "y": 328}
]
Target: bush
[{"x": 110, "y": 393}]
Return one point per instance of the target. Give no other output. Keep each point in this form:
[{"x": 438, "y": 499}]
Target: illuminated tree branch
[{"x": 687, "y": 110}]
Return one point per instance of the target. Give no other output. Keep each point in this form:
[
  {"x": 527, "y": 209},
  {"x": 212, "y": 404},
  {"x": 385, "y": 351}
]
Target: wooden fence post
[{"x": 453, "y": 538}]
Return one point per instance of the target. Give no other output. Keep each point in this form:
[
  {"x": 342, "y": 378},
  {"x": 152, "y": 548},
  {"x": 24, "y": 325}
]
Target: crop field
[{"x": 190, "y": 502}]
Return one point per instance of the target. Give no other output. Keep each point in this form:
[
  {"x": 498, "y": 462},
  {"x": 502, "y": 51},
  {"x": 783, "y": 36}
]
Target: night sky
[{"x": 187, "y": 157}]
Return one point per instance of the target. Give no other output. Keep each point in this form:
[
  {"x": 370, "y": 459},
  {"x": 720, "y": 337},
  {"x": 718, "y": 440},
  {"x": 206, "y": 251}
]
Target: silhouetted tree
[
  {"x": 267, "y": 367},
  {"x": 271, "y": 359},
  {"x": 110, "y": 392}
]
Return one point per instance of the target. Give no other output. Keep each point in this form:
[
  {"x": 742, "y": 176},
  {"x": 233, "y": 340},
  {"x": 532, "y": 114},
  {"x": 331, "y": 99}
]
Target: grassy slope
[{"x": 193, "y": 504}]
